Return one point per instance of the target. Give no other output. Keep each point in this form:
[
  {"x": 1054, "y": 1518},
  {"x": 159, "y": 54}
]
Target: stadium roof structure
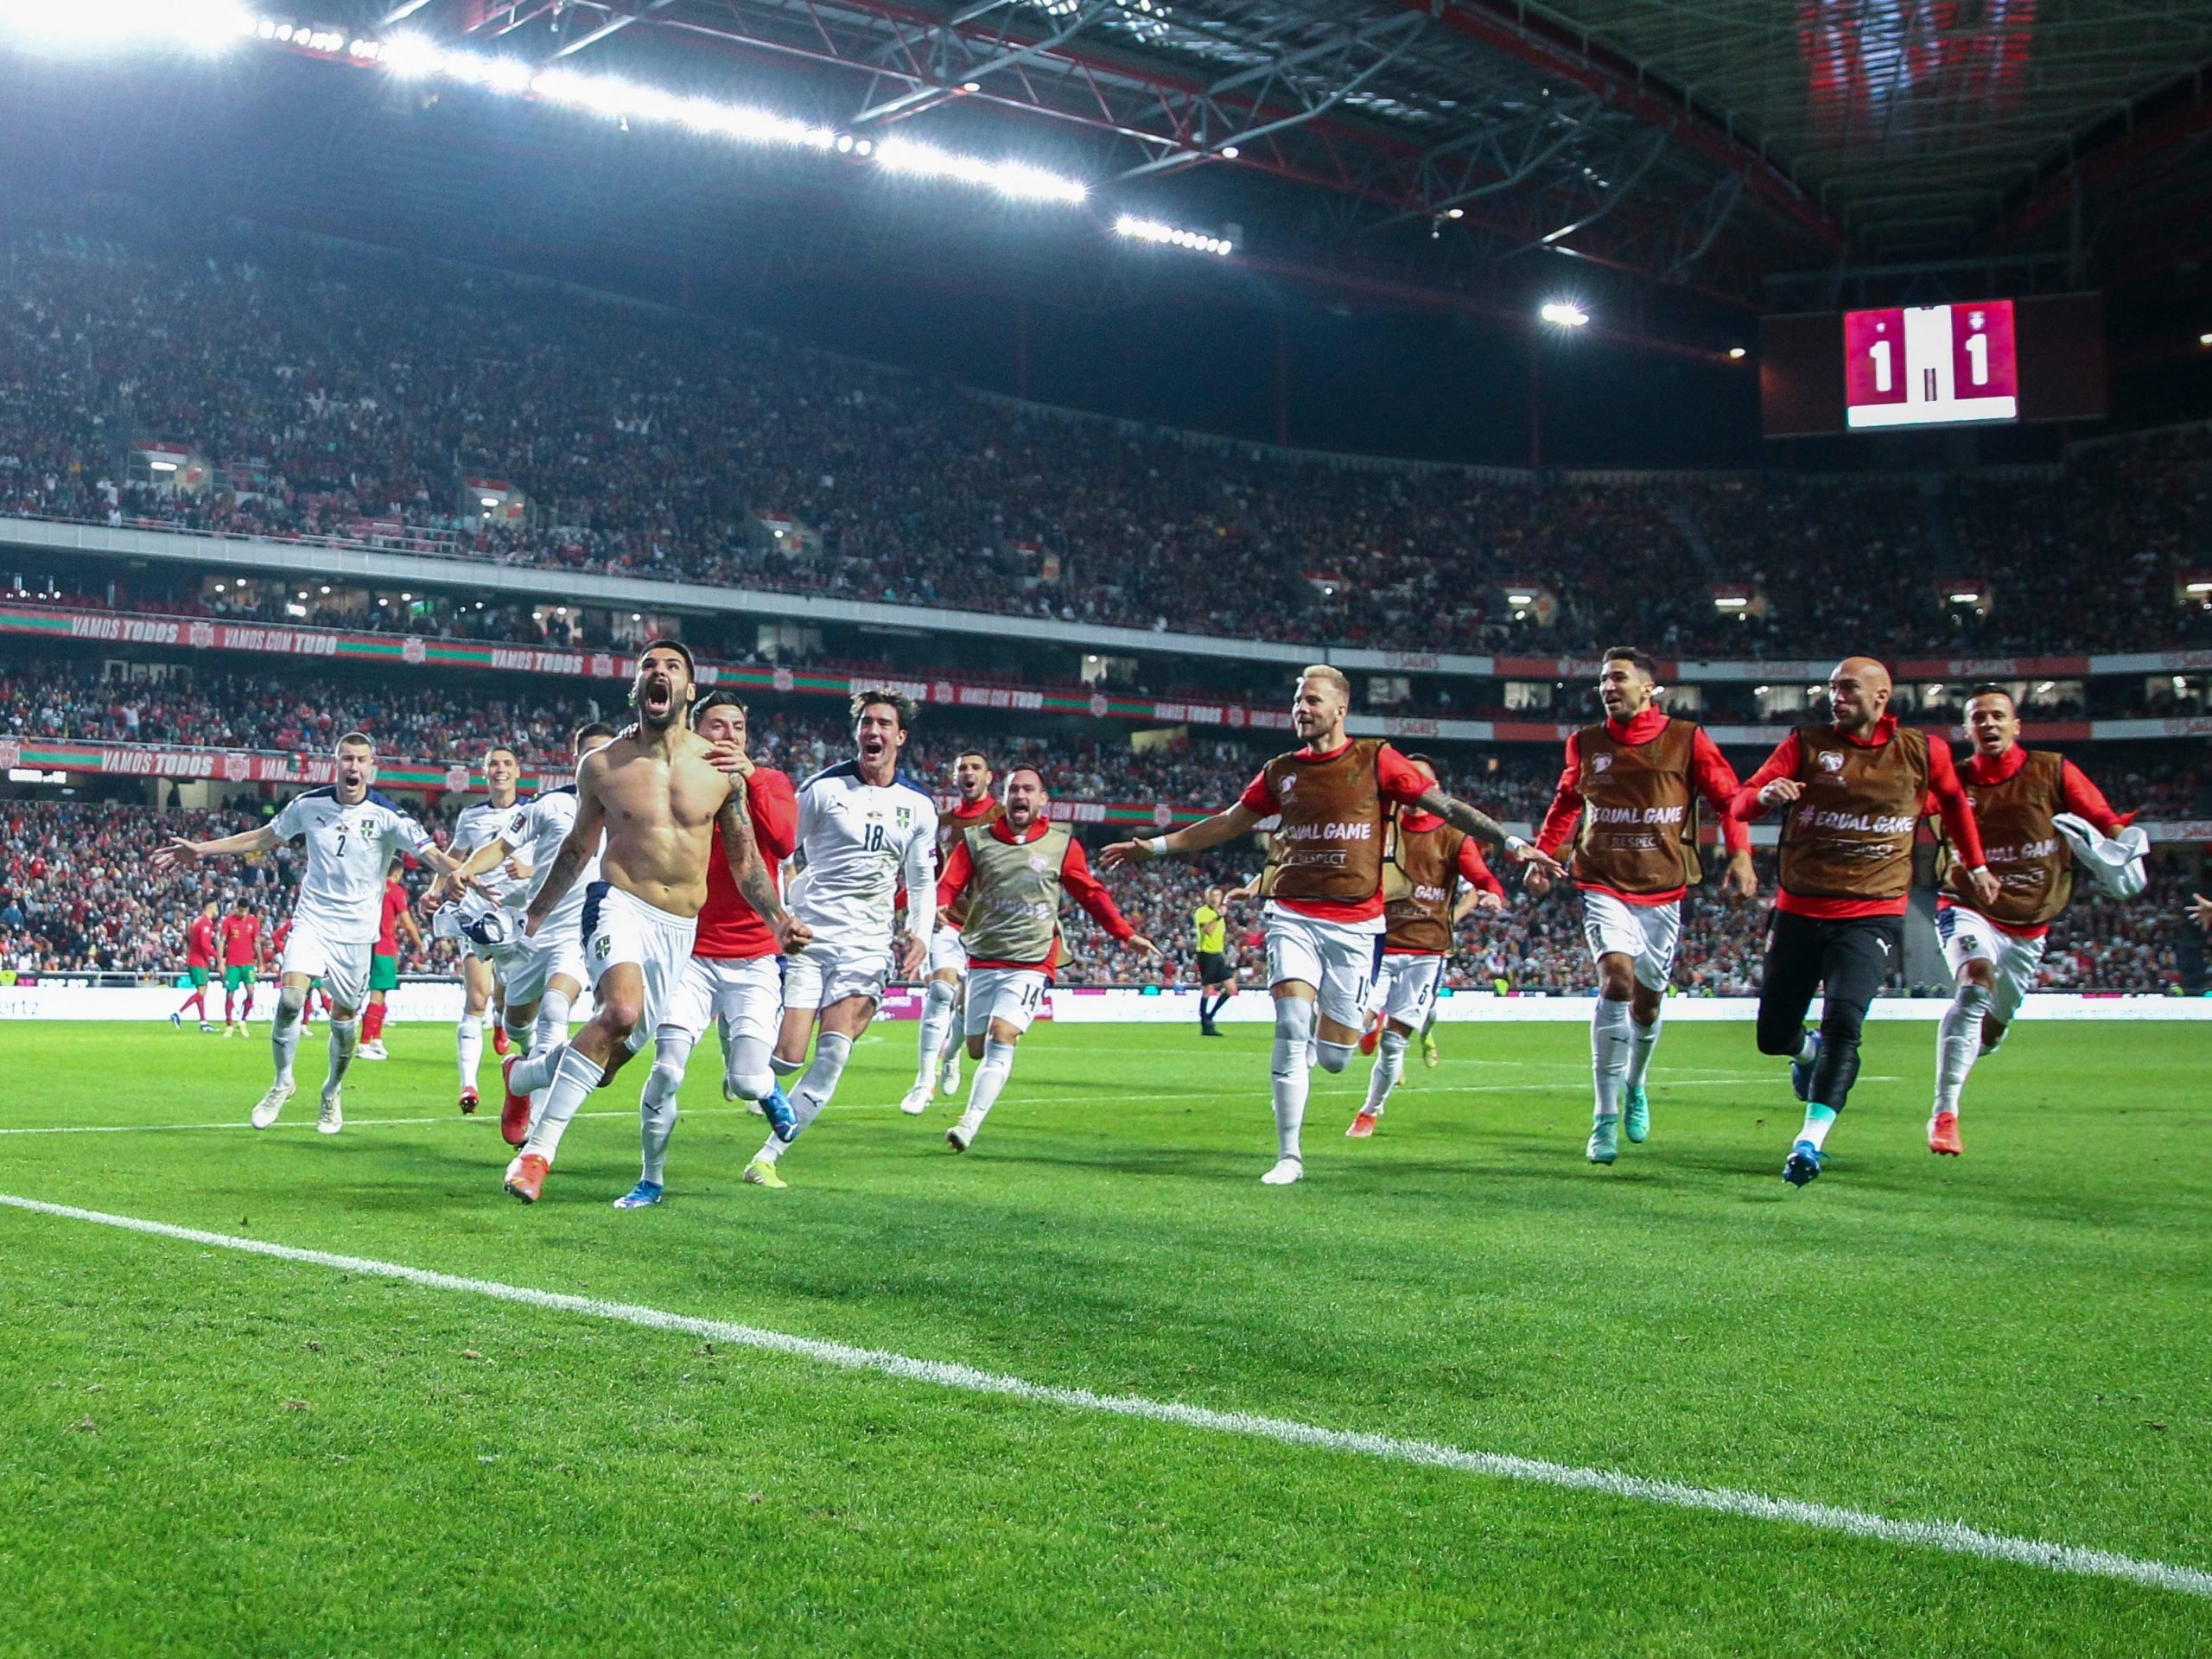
[{"x": 1711, "y": 144}]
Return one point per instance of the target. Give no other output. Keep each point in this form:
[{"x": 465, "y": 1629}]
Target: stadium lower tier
[{"x": 76, "y": 895}]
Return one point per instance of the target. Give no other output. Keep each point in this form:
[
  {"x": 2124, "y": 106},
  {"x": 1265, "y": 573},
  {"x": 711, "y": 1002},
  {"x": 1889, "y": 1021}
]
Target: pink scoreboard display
[{"x": 1930, "y": 366}]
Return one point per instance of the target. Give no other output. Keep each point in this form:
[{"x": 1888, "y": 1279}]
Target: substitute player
[
  {"x": 657, "y": 802},
  {"x": 1217, "y": 979},
  {"x": 733, "y": 979},
  {"x": 1854, "y": 789},
  {"x": 1995, "y": 949},
  {"x": 938, "y": 1062},
  {"x": 1434, "y": 858},
  {"x": 352, "y": 835},
  {"x": 1634, "y": 780},
  {"x": 198, "y": 957},
  {"x": 239, "y": 938},
  {"x": 383, "y": 967},
  {"x": 477, "y": 823},
  {"x": 864, "y": 827},
  {"x": 1323, "y": 883},
  {"x": 1006, "y": 879}
]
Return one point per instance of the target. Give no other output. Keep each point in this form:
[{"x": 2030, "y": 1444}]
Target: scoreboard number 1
[{"x": 1929, "y": 366}]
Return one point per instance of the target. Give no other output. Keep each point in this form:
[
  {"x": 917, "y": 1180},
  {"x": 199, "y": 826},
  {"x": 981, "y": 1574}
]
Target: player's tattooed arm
[
  {"x": 177, "y": 851},
  {"x": 1216, "y": 831},
  {"x": 750, "y": 871},
  {"x": 1485, "y": 829}
]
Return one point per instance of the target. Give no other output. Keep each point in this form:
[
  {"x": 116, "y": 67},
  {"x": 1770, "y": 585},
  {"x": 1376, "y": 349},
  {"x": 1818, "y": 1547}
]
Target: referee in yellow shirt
[{"x": 1217, "y": 979}]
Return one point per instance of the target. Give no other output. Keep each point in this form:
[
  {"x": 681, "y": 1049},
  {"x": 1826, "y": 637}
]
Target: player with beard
[
  {"x": 543, "y": 976},
  {"x": 937, "y": 1062},
  {"x": 1995, "y": 949},
  {"x": 1634, "y": 781},
  {"x": 353, "y": 834},
  {"x": 1854, "y": 789},
  {"x": 864, "y": 826},
  {"x": 733, "y": 979},
  {"x": 658, "y": 802},
  {"x": 478, "y": 822},
  {"x": 1005, "y": 879},
  {"x": 1323, "y": 883}
]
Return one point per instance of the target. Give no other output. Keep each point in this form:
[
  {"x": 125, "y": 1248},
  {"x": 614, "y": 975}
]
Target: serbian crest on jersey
[{"x": 905, "y": 816}]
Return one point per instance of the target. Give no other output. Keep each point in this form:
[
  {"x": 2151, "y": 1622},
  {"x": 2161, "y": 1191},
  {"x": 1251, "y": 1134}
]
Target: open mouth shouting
[{"x": 656, "y": 697}]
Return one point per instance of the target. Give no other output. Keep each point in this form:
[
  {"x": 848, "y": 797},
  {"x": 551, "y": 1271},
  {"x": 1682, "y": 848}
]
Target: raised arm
[
  {"x": 1487, "y": 831},
  {"x": 1217, "y": 832},
  {"x": 178, "y": 852}
]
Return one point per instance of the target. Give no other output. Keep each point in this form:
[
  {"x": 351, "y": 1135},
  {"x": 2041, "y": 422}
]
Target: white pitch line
[
  {"x": 308, "y": 1123},
  {"x": 1952, "y": 1536}
]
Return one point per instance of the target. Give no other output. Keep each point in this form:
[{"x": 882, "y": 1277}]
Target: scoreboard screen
[
  {"x": 1982, "y": 363},
  {"x": 1930, "y": 366}
]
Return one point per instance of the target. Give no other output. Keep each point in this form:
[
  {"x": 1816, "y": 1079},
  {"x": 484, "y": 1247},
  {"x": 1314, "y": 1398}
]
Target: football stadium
[{"x": 1105, "y": 827}]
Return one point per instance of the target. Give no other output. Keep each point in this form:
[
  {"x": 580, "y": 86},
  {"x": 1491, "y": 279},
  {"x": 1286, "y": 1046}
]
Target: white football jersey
[
  {"x": 535, "y": 829},
  {"x": 476, "y": 826},
  {"x": 349, "y": 850},
  {"x": 855, "y": 841}
]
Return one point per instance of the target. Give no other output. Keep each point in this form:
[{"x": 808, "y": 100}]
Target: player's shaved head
[
  {"x": 355, "y": 740},
  {"x": 1858, "y": 694}
]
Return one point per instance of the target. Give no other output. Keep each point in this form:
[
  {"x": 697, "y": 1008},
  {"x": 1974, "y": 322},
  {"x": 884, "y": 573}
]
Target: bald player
[{"x": 1853, "y": 790}]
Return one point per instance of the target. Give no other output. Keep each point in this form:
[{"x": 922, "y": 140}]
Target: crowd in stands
[
  {"x": 353, "y": 396},
  {"x": 76, "y": 895}
]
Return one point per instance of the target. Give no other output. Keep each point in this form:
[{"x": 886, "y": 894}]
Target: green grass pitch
[{"x": 207, "y": 1451}]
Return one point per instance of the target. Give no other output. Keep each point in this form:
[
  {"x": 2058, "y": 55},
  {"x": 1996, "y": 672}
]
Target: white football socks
[
  {"x": 1958, "y": 1043},
  {"x": 937, "y": 1021},
  {"x": 1389, "y": 1066},
  {"x": 990, "y": 1078},
  {"x": 831, "y": 1051},
  {"x": 1609, "y": 1053},
  {"x": 573, "y": 1079},
  {"x": 468, "y": 1048},
  {"x": 657, "y": 1104},
  {"x": 345, "y": 1038},
  {"x": 284, "y": 1031},
  {"x": 1290, "y": 1075},
  {"x": 1642, "y": 1041}
]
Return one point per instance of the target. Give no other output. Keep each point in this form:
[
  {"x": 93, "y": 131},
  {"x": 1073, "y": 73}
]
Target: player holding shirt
[
  {"x": 1994, "y": 949},
  {"x": 352, "y": 835},
  {"x": 733, "y": 978},
  {"x": 1434, "y": 858},
  {"x": 1324, "y": 882},
  {"x": 477, "y": 823},
  {"x": 658, "y": 805},
  {"x": 864, "y": 827},
  {"x": 1634, "y": 780},
  {"x": 1005, "y": 879},
  {"x": 937, "y": 1062},
  {"x": 198, "y": 957},
  {"x": 1855, "y": 789},
  {"x": 239, "y": 939},
  {"x": 383, "y": 969}
]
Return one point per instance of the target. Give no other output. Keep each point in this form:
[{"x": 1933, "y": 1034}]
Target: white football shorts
[
  {"x": 342, "y": 965},
  {"x": 1338, "y": 959},
  {"x": 948, "y": 953},
  {"x": 1014, "y": 995},
  {"x": 1969, "y": 936},
  {"x": 1412, "y": 988},
  {"x": 1646, "y": 934},
  {"x": 826, "y": 973},
  {"x": 619, "y": 927},
  {"x": 747, "y": 992}
]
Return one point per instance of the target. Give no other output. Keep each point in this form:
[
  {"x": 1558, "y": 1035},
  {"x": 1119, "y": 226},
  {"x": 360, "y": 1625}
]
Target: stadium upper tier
[{"x": 472, "y": 415}]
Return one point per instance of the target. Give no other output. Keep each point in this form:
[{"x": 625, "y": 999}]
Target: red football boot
[
  {"x": 468, "y": 1102},
  {"x": 514, "y": 1110},
  {"x": 1943, "y": 1135},
  {"x": 527, "y": 1177},
  {"x": 500, "y": 1042},
  {"x": 1372, "y": 1035},
  {"x": 1361, "y": 1127}
]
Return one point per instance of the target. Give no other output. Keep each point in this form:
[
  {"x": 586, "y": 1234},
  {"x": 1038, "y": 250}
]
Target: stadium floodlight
[
  {"x": 1736, "y": 354},
  {"x": 2204, "y": 340},
  {"x": 1016, "y": 180},
  {"x": 1151, "y": 230},
  {"x": 1564, "y": 313},
  {"x": 197, "y": 25}
]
